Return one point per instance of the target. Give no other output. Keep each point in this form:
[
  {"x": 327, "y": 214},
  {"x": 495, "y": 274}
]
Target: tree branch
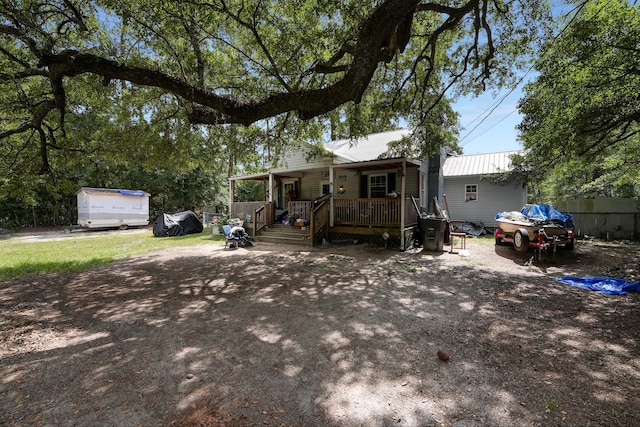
[
  {"x": 372, "y": 44},
  {"x": 384, "y": 33}
]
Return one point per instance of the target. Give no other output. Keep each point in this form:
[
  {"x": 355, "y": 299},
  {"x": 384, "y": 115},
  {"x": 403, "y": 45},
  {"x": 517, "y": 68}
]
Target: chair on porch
[
  {"x": 231, "y": 242},
  {"x": 456, "y": 229}
]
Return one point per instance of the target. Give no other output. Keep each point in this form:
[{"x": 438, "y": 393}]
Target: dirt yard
[{"x": 333, "y": 336}]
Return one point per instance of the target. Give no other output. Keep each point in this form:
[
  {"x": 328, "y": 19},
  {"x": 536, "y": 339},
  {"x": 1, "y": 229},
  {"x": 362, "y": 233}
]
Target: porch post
[
  {"x": 270, "y": 196},
  {"x": 232, "y": 190},
  {"x": 402, "y": 204},
  {"x": 331, "y": 198}
]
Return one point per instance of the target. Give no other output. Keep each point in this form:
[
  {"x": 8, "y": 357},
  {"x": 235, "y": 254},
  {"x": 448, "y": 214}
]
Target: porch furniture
[
  {"x": 231, "y": 242},
  {"x": 456, "y": 229}
]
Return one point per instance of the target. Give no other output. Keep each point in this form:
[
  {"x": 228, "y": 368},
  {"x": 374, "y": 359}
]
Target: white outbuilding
[{"x": 109, "y": 208}]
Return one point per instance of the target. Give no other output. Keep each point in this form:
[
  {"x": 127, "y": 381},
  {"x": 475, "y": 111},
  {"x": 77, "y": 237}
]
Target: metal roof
[
  {"x": 366, "y": 148},
  {"x": 478, "y": 164}
]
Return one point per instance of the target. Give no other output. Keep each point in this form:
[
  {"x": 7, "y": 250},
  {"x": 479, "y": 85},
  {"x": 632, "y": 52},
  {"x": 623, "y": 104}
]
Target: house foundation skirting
[
  {"x": 365, "y": 231},
  {"x": 393, "y": 242},
  {"x": 375, "y": 235}
]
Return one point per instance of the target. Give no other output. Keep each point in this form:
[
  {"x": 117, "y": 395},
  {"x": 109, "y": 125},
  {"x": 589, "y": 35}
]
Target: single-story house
[
  {"x": 472, "y": 195},
  {"x": 348, "y": 190}
]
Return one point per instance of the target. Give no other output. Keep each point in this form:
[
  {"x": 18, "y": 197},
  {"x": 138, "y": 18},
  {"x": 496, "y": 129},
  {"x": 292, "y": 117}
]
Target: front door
[{"x": 289, "y": 191}]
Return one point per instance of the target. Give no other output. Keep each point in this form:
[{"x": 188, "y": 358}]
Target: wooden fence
[{"x": 243, "y": 209}]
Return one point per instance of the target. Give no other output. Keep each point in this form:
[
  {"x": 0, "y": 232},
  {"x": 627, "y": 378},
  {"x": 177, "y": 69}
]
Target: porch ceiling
[
  {"x": 368, "y": 165},
  {"x": 265, "y": 176},
  {"x": 377, "y": 164},
  {"x": 254, "y": 177}
]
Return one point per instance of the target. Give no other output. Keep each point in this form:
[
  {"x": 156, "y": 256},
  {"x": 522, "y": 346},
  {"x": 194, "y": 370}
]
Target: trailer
[
  {"x": 543, "y": 239},
  {"x": 112, "y": 208},
  {"x": 539, "y": 227}
]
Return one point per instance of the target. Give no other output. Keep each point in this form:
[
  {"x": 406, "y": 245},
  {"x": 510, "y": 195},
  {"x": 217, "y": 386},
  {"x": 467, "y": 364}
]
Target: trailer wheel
[{"x": 521, "y": 240}]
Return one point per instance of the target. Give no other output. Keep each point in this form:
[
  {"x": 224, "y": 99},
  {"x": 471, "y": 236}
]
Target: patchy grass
[
  {"x": 19, "y": 258},
  {"x": 486, "y": 240}
]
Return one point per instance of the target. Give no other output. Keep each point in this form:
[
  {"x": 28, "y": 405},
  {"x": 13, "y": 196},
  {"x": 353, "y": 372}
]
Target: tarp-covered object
[
  {"x": 177, "y": 224},
  {"x": 538, "y": 213},
  {"x": 547, "y": 213},
  {"x": 606, "y": 285}
]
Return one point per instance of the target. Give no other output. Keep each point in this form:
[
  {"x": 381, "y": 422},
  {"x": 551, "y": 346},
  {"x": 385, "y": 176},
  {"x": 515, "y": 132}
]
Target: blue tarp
[
  {"x": 133, "y": 193},
  {"x": 606, "y": 285},
  {"x": 546, "y": 213}
]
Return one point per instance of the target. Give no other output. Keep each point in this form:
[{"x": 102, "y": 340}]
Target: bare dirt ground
[{"x": 333, "y": 336}]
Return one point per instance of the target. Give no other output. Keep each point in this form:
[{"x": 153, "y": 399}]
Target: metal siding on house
[
  {"x": 454, "y": 190},
  {"x": 492, "y": 199}
]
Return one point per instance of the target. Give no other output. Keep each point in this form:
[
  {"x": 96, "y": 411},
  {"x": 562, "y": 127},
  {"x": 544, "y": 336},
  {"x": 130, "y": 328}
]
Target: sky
[
  {"x": 486, "y": 129},
  {"x": 497, "y": 131}
]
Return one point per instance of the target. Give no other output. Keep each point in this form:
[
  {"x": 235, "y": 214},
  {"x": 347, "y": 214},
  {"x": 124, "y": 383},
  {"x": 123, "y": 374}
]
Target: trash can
[{"x": 433, "y": 229}]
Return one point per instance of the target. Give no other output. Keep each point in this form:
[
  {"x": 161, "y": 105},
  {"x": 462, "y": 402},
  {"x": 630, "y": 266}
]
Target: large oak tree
[
  {"x": 240, "y": 61},
  {"x": 79, "y": 76}
]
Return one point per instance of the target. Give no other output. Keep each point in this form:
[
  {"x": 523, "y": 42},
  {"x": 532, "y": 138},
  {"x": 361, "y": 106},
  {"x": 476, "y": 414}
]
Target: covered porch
[{"x": 329, "y": 201}]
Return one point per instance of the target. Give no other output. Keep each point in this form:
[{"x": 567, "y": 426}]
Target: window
[
  {"x": 470, "y": 192},
  {"x": 377, "y": 186},
  {"x": 324, "y": 187}
]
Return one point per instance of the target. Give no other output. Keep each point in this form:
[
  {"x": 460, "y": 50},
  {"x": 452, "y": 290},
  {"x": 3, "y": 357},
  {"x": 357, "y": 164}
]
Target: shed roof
[
  {"x": 116, "y": 191},
  {"x": 367, "y": 148},
  {"x": 478, "y": 164}
]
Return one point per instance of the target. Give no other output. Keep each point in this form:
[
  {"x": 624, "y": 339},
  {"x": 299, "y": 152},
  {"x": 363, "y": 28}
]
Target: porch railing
[
  {"x": 358, "y": 212},
  {"x": 367, "y": 212},
  {"x": 300, "y": 209},
  {"x": 320, "y": 220},
  {"x": 410, "y": 212},
  {"x": 263, "y": 217}
]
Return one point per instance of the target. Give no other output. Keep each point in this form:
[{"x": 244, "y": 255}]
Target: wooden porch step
[{"x": 284, "y": 234}]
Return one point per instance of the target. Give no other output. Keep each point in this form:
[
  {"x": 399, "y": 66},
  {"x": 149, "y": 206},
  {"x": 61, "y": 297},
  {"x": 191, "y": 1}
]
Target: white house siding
[
  {"x": 349, "y": 179},
  {"x": 492, "y": 199},
  {"x": 296, "y": 159},
  {"x": 311, "y": 183}
]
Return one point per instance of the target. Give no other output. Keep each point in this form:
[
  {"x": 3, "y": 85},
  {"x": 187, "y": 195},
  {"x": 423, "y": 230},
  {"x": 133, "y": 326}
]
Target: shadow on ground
[{"x": 343, "y": 336}]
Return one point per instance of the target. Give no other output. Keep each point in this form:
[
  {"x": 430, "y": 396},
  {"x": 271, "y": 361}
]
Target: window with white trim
[
  {"x": 471, "y": 192},
  {"x": 378, "y": 186}
]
